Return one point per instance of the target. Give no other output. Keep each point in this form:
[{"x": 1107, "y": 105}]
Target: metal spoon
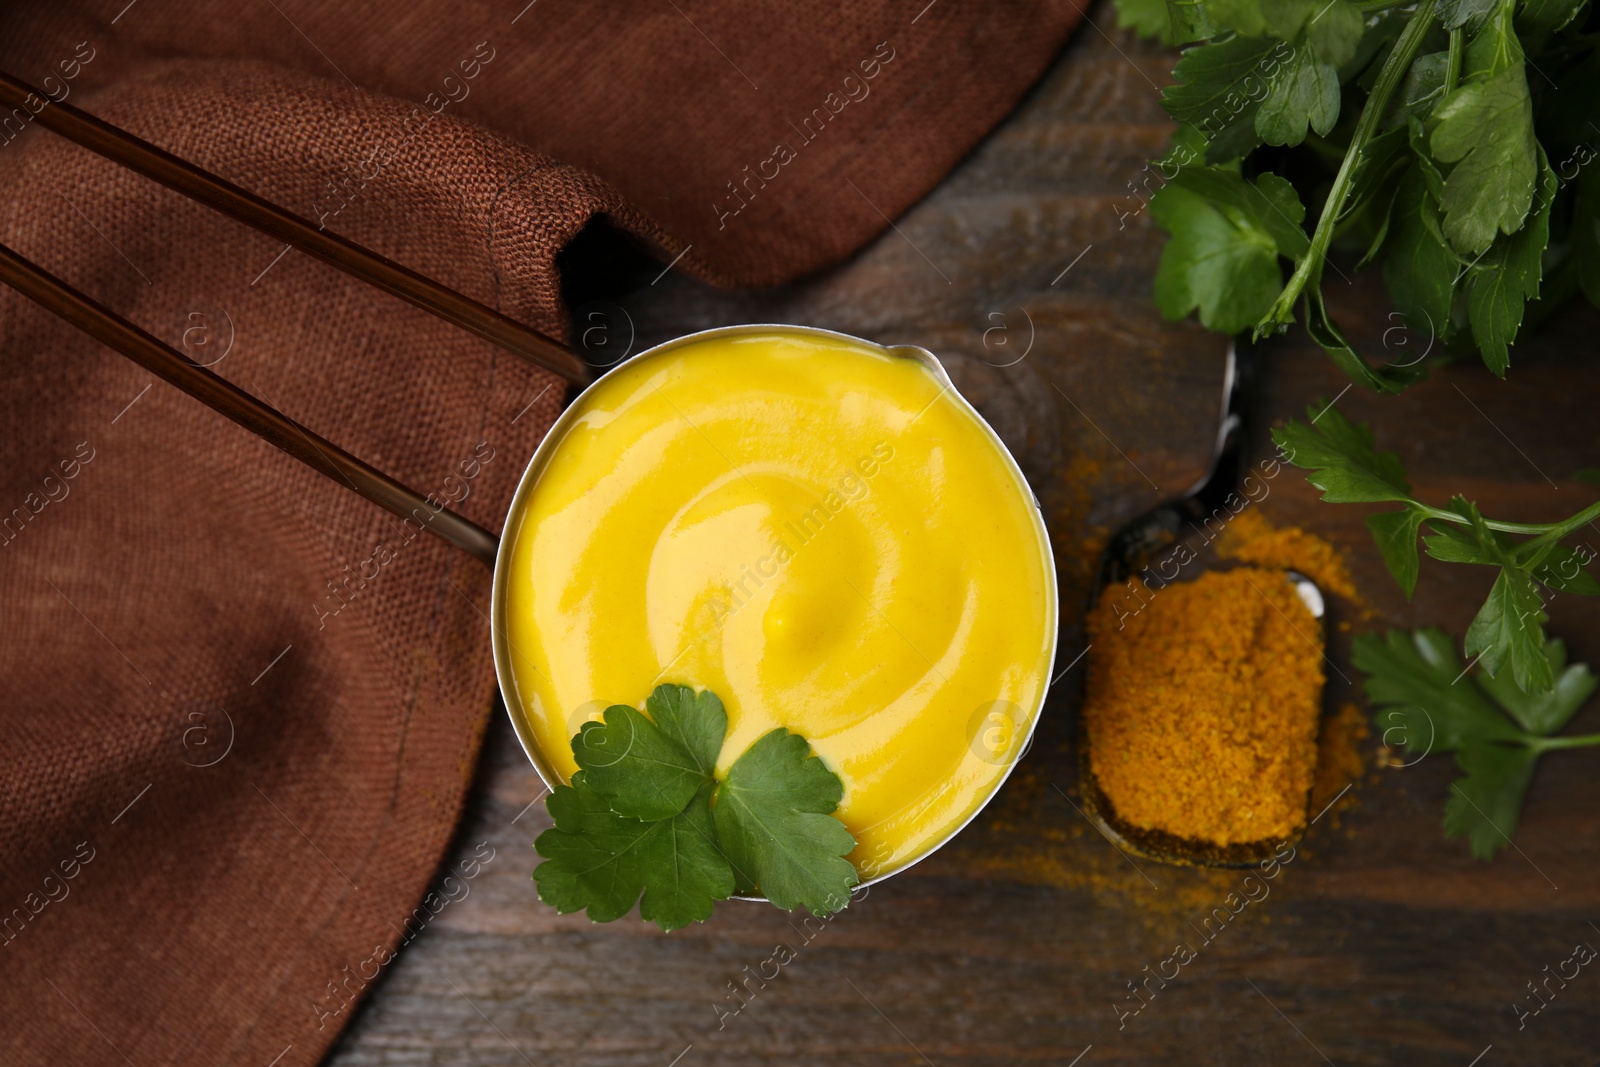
[{"x": 1128, "y": 552}]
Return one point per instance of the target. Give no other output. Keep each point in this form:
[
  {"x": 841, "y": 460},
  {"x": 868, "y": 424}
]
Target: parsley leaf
[
  {"x": 773, "y": 818},
  {"x": 1218, "y": 91},
  {"x": 696, "y": 721},
  {"x": 1227, "y": 234},
  {"x": 1426, "y": 702},
  {"x": 1304, "y": 93},
  {"x": 1485, "y": 128},
  {"x": 1420, "y": 268},
  {"x": 1334, "y": 31},
  {"x": 1458, "y": 13},
  {"x": 1305, "y": 90},
  {"x": 1509, "y": 629},
  {"x": 1421, "y": 670},
  {"x": 1189, "y": 20},
  {"x": 1484, "y": 806},
  {"x": 1347, "y": 467},
  {"x": 1462, "y": 544},
  {"x": 1508, "y": 275},
  {"x": 1247, "y": 18},
  {"x": 646, "y": 815},
  {"x": 1547, "y": 16},
  {"x": 1396, "y": 535},
  {"x": 1545, "y": 713},
  {"x": 1267, "y": 205},
  {"x": 1563, "y": 571},
  {"x": 1423, "y": 86},
  {"x": 599, "y": 861},
  {"x": 1147, "y": 17},
  {"x": 650, "y": 769}
]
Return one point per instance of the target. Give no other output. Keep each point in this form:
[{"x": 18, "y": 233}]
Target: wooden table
[{"x": 1382, "y": 943}]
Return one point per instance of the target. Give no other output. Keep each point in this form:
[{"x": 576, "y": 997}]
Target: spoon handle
[{"x": 1228, "y": 461}]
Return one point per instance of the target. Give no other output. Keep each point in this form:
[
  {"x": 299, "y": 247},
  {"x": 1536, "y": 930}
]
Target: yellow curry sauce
[{"x": 822, "y": 533}]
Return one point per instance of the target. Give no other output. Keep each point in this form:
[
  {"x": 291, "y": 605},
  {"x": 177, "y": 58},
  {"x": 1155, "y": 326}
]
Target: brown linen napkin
[{"x": 242, "y": 707}]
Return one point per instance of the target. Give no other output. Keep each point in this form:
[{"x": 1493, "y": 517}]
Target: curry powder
[
  {"x": 1251, "y": 538},
  {"x": 1202, "y": 706}
]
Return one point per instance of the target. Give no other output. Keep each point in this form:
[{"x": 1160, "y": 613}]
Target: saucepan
[{"x": 1002, "y": 733}]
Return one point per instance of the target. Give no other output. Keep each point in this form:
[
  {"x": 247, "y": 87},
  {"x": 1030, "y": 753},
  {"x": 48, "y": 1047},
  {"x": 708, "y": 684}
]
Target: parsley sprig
[
  {"x": 1453, "y": 141},
  {"x": 645, "y": 819},
  {"x": 1509, "y": 628},
  {"x": 1427, "y": 702}
]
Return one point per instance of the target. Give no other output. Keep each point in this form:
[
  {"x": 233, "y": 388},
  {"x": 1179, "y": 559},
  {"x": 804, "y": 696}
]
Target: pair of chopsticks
[{"x": 117, "y": 333}]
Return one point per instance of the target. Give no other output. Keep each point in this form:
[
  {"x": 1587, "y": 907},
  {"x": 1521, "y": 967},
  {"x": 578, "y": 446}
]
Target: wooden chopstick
[
  {"x": 140, "y": 156},
  {"x": 229, "y": 400}
]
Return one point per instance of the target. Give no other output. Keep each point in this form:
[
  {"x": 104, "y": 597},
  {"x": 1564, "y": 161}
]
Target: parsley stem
[
  {"x": 1309, "y": 269},
  {"x": 1543, "y": 531},
  {"x": 1452, "y": 70},
  {"x": 1556, "y": 531},
  {"x": 1541, "y": 744},
  {"x": 1504, "y": 527}
]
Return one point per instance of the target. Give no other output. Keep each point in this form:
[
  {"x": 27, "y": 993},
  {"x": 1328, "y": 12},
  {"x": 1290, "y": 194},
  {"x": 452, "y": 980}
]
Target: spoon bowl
[{"x": 1214, "y": 499}]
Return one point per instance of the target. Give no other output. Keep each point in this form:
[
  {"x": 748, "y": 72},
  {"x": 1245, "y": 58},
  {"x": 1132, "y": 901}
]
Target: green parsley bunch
[
  {"x": 647, "y": 815},
  {"x": 1531, "y": 558},
  {"x": 1454, "y": 141},
  {"x": 1499, "y": 721}
]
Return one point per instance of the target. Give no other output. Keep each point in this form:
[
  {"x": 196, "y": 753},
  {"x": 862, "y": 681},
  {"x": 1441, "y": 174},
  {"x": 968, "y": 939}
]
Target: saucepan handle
[{"x": 222, "y": 396}]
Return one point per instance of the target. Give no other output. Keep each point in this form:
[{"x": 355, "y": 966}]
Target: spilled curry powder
[
  {"x": 1202, "y": 706},
  {"x": 1341, "y": 758}
]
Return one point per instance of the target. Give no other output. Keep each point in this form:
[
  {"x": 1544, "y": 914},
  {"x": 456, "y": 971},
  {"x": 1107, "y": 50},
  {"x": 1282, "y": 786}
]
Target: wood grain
[{"x": 1381, "y": 943}]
